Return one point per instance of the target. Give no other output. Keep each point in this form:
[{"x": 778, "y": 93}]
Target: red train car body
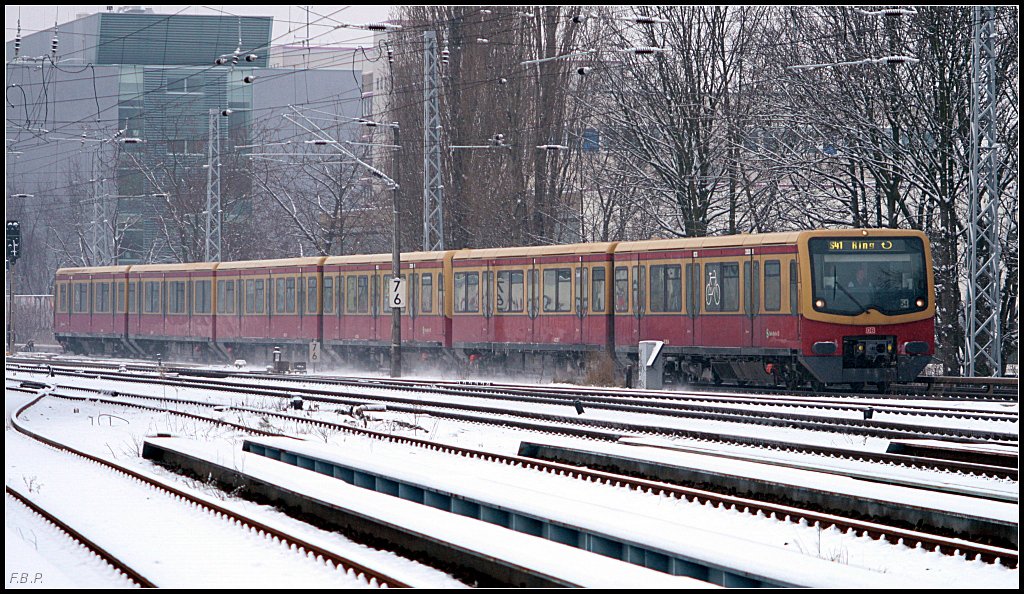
[{"x": 850, "y": 306}]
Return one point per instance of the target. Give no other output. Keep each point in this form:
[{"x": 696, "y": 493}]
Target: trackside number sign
[{"x": 396, "y": 295}]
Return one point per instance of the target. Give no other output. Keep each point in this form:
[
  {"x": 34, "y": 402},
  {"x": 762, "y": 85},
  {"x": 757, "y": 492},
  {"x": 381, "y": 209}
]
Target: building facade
[{"x": 118, "y": 120}]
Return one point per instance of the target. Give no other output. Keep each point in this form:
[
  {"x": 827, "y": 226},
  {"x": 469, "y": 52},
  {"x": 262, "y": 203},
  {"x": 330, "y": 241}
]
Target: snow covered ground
[{"x": 117, "y": 432}]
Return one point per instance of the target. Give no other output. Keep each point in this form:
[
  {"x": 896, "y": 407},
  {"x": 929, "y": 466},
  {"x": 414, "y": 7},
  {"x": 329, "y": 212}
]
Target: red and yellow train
[{"x": 824, "y": 307}]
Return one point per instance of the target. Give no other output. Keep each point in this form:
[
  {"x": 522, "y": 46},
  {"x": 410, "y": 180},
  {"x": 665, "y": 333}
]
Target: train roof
[
  {"x": 569, "y": 249},
  {"x": 386, "y": 258},
  {"x": 181, "y": 267},
  {"x": 92, "y": 270},
  {"x": 721, "y": 241},
  {"x": 277, "y": 263}
]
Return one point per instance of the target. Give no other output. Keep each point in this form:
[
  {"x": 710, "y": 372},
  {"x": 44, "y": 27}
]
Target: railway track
[
  {"x": 925, "y": 388},
  {"x": 850, "y": 426},
  {"x": 117, "y": 564},
  {"x": 368, "y": 576},
  {"x": 933, "y": 542},
  {"x": 573, "y": 425}
]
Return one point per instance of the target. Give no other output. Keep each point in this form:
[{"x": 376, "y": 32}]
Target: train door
[
  {"x": 487, "y": 301},
  {"x": 533, "y": 299},
  {"x": 581, "y": 302},
  {"x": 638, "y": 298},
  {"x": 751, "y": 300},
  {"x": 691, "y": 280},
  {"x": 376, "y": 332}
]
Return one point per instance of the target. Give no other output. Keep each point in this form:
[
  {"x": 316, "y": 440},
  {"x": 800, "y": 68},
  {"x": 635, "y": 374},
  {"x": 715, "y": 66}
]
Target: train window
[
  {"x": 362, "y": 294},
  {"x": 621, "y": 289},
  {"x": 375, "y": 295},
  {"x": 793, "y": 300},
  {"x": 62, "y": 300},
  {"x": 488, "y": 293},
  {"x": 747, "y": 290},
  {"x": 289, "y": 294},
  {"x": 533, "y": 291},
  {"x": 467, "y": 292},
  {"x": 262, "y": 296},
  {"x": 510, "y": 290},
  {"x": 772, "y": 285},
  {"x": 250, "y": 296},
  {"x": 730, "y": 287},
  {"x": 176, "y": 297},
  {"x": 311, "y": 295},
  {"x": 151, "y": 297},
  {"x": 328, "y": 295},
  {"x": 427, "y": 293},
  {"x": 279, "y": 296},
  {"x": 341, "y": 294},
  {"x": 440, "y": 293},
  {"x": 597, "y": 288},
  {"x": 119, "y": 298},
  {"x": 225, "y": 296},
  {"x": 689, "y": 290},
  {"x": 722, "y": 287},
  {"x": 131, "y": 297},
  {"x": 639, "y": 288},
  {"x": 558, "y": 289},
  {"x": 102, "y": 298},
  {"x": 581, "y": 289},
  {"x": 202, "y": 296},
  {"x": 666, "y": 288},
  {"x": 350, "y": 304},
  {"x": 78, "y": 298}
]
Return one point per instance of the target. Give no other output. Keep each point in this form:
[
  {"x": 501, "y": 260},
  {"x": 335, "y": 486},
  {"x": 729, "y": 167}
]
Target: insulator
[
  {"x": 17, "y": 46},
  {"x": 251, "y": 58},
  {"x": 583, "y": 70},
  {"x": 226, "y": 112},
  {"x": 444, "y": 56},
  {"x": 53, "y": 45},
  {"x": 579, "y": 19},
  {"x": 248, "y": 79},
  {"x": 221, "y": 61},
  {"x": 502, "y": 81}
]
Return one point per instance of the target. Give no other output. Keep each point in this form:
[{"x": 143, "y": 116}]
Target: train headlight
[
  {"x": 920, "y": 302},
  {"x": 860, "y": 348},
  {"x": 820, "y": 303}
]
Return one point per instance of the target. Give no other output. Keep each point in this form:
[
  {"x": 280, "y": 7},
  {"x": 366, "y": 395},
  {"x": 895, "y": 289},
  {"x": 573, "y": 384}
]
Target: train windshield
[{"x": 850, "y": 276}]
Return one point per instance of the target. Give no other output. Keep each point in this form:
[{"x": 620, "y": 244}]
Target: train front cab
[{"x": 867, "y": 305}]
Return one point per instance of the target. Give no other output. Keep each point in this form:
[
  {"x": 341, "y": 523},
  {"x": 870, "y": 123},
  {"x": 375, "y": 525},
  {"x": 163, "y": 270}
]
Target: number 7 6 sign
[{"x": 396, "y": 293}]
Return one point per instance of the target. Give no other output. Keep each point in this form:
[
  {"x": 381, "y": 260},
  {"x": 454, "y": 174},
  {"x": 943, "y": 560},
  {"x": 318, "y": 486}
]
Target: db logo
[{"x": 869, "y": 330}]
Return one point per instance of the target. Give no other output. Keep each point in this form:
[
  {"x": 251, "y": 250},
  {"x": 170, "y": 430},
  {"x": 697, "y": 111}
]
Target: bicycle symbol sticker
[{"x": 712, "y": 291}]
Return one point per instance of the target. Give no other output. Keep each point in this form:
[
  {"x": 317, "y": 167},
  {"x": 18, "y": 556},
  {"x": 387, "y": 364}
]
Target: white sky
[{"x": 289, "y": 21}]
